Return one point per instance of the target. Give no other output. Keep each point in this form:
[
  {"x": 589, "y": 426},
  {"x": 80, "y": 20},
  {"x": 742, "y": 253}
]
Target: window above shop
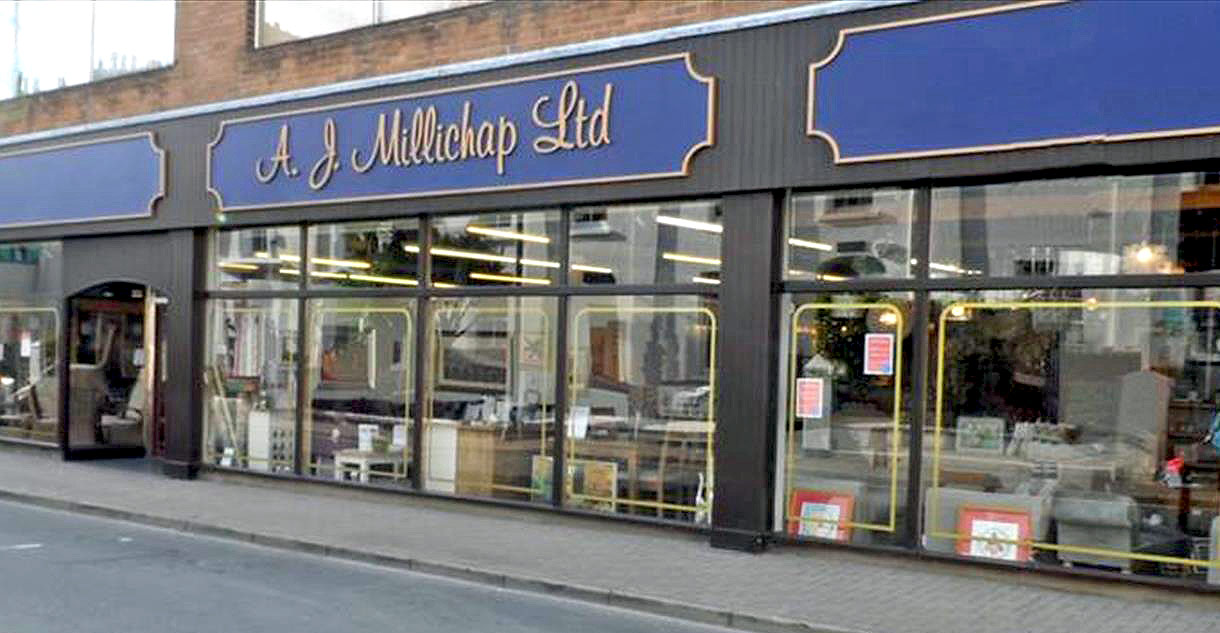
[
  {"x": 50, "y": 45},
  {"x": 282, "y": 21}
]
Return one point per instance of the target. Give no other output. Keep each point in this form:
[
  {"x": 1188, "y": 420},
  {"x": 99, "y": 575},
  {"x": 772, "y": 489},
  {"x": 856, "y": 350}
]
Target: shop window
[
  {"x": 30, "y": 292},
  {"x": 360, "y": 385},
  {"x": 287, "y": 20},
  {"x": 844, "y": 444},
  {"x": 643, "y": 400},
  {"x": 250, "y": 384},
  {"x": 1152, "y": 225},
  {"x": 647, "y": 244},
  {"x": 490, "y": 428},
  {"x": 846, "y": 235},
  {"x": 267, "y": 258},
  {"x": 58, "y": 44},
  {"x": 1077, "y": 431},
  {"x": 496, "y": 249},
  {"x": 364, "y": 255}
]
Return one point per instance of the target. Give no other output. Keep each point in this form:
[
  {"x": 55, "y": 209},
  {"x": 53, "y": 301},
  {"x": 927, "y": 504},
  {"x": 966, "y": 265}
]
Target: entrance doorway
[{"x": 116, "y": 357}]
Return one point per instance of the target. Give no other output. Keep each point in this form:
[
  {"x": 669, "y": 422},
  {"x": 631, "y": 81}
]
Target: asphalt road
[{"x": 78, "y": 574}]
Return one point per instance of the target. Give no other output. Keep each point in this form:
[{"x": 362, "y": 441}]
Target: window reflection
[
  {"x": 491, "y": 397},
  {"x": 257, "y": 259},
  {"x": 30, "y": 293},
  {"x": 250, "y": 379},
  {"x": 288, "y": 20},
  {"x": 846, "y": 235},
  {"x": 671, "y": 243},
  {"x": 1162, "y": 224},
  {"x": 846, "y": 416},
  {"x": 361, "y": 358},
  {"x": 365, "y": 254},
  {"x": 496, "y": 249},
  {"x": 1078, "y": 432},
  {"x": 642, "y": 411}
]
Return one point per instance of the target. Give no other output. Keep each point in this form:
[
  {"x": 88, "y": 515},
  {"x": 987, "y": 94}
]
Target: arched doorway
[{"x": 115, "y": 357}]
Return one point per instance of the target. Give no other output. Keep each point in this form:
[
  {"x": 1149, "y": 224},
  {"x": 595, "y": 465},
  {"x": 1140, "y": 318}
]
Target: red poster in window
[
  {"x": 879, "y": 354},
  {"x": 993, "y": 533},
  {"x": 821, "y": 514},
  {"x": 809, "y": 397}
]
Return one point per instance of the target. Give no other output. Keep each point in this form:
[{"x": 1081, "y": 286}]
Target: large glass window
[
  {"x": 30, "y": 289},
  {"x": 364, "y": 254},
  {"x": 267, "y": 258},
  {"x": 49, "y": 45},
  {"x": 1162, "y": 225},
  {"x": 288, "y": 20},
  {"x": 250, "y": 377},
  {"x": 1077, "y": 429},
  {"x": 671, "y": 243},
  {"x": 843, "y": 235},
  {"x": 496, "y": 249},
  {"x": 360, "y": 380},
  {"x": 491, "y": 397},
  {"x": 848, "y": 394},
  {"x": 643, "y": 400}
]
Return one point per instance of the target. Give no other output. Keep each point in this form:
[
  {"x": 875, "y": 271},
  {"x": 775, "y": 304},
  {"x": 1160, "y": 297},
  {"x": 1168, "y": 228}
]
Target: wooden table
[{"x": 364, "y": 461}]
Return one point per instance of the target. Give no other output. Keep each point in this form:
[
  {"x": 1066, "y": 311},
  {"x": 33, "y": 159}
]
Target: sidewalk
[{"x": 661, "y": 571}]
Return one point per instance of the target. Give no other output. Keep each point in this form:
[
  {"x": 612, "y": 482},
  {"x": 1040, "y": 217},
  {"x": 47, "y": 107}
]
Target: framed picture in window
[
  {"x": 996, "y": 533},
  {"x": 979, "y": 435},
  {"x": 821, "y": 514},
  {"x": 473, "y": 359}
]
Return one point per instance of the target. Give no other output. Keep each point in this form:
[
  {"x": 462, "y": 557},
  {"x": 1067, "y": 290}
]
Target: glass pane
[
  {"x": 361, "y": 360},
  {"x": 1078, "y": 432},
  {"x": 365, "y": 254},
  {"x": 250, "y": 378},
  {"x": 49, "y": 45},
  {"x": 847, "y": 404},
  {"x": 673, "y": 243},
  {"x": 287, "y": 20},
  {"x": 491, "y": 397},
  {"x": 849, "y": 235},
  {"x": 30, "y": 292},
  {"x": 496, "y": 249},
  {"x": 642, "y": 411},
  {"x": 256, "y": 259},
  {"x": 1162, "y": 224},
  {"x": 399, "y": 9}
]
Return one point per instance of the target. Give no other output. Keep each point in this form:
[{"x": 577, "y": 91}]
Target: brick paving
[{"x": 820, "y": 587}]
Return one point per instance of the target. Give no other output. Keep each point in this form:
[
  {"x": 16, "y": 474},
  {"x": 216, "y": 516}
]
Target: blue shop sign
[
  {"x": 1026, "y": 75},
  {"x": 627, "y": 121},
  {"x": 109, "y": 179}
]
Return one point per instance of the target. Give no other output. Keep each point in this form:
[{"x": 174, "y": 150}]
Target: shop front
[{"x": 824, "y": 280}]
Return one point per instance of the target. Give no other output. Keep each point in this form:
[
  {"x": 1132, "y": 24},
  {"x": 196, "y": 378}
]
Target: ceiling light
[
  {"x": 691, "y": 259},
  {"x": 888, "y": 318},
  {"x": 510, "y": 235},
  {"x": 486, "y": 257},
  {"x": 592, "y": 269},
  {"x": 817, "y": 246},
  {"x": 829, "y": 277},
  {"x": 539, "y": 262},
  {"x": 238, "y": 266},
  {"x": 510, "y": 279},
  {"x": 345, "y": 263},
  {"x": 377, "y": 279},
  {"x": 705, "y": 280},
  {"x": 290, "y": 271},
  {"x": 327, "y": 274},
  {"x": 690, "y": 224},
  {"x": 1144, "y": 254}
]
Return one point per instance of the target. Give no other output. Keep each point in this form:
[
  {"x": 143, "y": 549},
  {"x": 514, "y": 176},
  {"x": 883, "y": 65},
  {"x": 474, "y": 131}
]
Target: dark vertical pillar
[
  {"x": 746, "y": 372},
  {"x": 558, "y": 446},
  {"x": 423, "y": 320},
  {"x": 920, "y": 368},
  {"x": 185, "y": 328},
  {"x": 302, "y": 367}
]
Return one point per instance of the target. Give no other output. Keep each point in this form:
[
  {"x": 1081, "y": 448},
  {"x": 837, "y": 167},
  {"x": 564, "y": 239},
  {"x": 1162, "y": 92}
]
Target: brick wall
[{"x": 216, "y": 61}]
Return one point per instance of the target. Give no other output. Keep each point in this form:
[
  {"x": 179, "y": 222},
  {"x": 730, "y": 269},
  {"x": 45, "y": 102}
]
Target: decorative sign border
[
  {"x": 686, "y": 57},
  {"x": 73, "y": 216},
  {"x": 812, "y": 130}
]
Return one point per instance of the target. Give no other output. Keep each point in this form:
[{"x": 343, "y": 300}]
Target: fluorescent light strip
[
  {"x": 486, "y": 257},
  {"x": 690, "y": 224},
  {"x": 510, "y": 279},
  {"x": 817, "y": 246},
  {"x": 510, "y": 235},
  {"x": 829, "y": 277},
  {"x": 327, "y": 275},
  {"x": 377, "y": 279},
  {"x": 342, "y": 263},
  {"x": 290, "y": 271},
  {"x": 237, "y": 266},
  {"x": 539, "y": 262},
  {"x": 705, "y": 280},
  {"x": 592, "y": 269},
  {"x": 691, "y": 259}
]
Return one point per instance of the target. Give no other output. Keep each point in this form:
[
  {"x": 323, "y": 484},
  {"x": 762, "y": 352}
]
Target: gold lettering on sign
[
  {"x": 428, "y": 141},
  {"x": 282, "y": 159},
  {"x": 328, "y": 164},
  {"x": 573, "y": 127}
]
